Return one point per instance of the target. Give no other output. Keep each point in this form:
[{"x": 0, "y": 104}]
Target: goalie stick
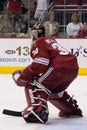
[
  {"x": 18, "y": 114},
  {"x": 12, "y": 113}
]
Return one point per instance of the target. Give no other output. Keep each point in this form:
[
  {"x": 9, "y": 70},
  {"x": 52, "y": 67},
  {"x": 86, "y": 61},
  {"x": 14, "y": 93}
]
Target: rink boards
[{"x": 15, "y": 53}]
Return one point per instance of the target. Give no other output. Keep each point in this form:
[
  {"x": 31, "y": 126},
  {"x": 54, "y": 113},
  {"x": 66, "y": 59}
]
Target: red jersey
[
  {"x": 14, "y": 6},
  {"x": 82, "y": 34},
  {"x": 46, "y": 52}
]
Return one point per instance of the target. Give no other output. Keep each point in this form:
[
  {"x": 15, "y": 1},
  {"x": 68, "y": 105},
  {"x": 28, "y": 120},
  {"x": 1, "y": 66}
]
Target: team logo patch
[{"x": 34, "y": 52}]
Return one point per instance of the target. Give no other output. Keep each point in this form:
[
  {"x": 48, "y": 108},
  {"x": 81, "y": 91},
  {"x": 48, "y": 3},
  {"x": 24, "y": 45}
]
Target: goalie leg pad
[
  {"x": 30, "y": 116},
  {"x": 37, "y": 110},
  {"x": 66, "y": 104}
]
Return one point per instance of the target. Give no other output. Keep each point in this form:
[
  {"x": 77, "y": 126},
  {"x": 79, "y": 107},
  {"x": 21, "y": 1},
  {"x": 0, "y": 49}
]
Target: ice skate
[{"x": 76, "y": 113}]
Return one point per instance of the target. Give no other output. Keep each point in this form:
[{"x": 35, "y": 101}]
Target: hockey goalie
[{"x": 46, "y": 79}]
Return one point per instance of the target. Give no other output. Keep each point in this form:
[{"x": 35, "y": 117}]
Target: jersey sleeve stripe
[
  {"x": 41, "y": 58},
  {"x": 43, "y": 61}
]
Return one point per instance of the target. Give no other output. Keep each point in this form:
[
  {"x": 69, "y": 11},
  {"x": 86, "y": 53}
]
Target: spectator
[
  {"x": 1, "y": 7},
  {"x": 35, "y": 6},
  {"x": 1, "y": 14},
  {"x": 51, "y": 26},
  {"x": 42, "y": 7},
  {"x": 82, "y": 33},
  {"x": 74, "y": 26},
  {"x": 14, "y": 12},
  {"x": 23, "y": 29},
  {"x": 32, "y": 20}
]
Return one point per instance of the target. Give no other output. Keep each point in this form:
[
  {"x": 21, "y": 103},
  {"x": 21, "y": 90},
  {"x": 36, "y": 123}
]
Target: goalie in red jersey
[{"x": 48, "y": 76}]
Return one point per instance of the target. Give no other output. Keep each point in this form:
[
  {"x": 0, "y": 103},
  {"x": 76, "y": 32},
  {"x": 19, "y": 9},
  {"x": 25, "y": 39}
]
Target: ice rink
[{"x": 12, "y": 97}]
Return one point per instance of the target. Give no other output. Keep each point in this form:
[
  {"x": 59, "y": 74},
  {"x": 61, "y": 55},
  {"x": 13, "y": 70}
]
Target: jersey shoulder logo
[{"x": 34, "y": 52}]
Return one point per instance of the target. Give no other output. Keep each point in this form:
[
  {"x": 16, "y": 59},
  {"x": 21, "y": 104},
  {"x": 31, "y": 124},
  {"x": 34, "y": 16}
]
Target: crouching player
[{"x": 47, "y": 78}]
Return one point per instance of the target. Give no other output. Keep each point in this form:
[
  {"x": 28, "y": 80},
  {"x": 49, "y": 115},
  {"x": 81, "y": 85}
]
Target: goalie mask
[{"x": 37, "y": 31}]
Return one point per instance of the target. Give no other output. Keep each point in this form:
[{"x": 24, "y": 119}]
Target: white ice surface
[{"x": 12, "y": 97}]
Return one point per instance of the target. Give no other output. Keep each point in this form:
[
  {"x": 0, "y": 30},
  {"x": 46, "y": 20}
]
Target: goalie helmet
[{"x": 37, "y": 31}]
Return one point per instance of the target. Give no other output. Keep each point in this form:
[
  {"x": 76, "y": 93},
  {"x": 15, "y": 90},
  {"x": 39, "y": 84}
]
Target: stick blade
[{"x": 12, "y": 113}]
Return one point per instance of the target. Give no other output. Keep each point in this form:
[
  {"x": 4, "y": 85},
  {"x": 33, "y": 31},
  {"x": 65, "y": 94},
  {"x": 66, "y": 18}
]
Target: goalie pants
[{"x": 57, "y": 80}]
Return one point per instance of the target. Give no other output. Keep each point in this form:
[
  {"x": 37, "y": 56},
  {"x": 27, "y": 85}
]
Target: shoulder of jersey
[{"x": 39, "y": 40}]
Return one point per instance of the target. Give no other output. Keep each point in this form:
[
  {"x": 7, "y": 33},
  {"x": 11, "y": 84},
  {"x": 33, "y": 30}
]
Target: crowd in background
[{"x": 41, "y": 14}]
